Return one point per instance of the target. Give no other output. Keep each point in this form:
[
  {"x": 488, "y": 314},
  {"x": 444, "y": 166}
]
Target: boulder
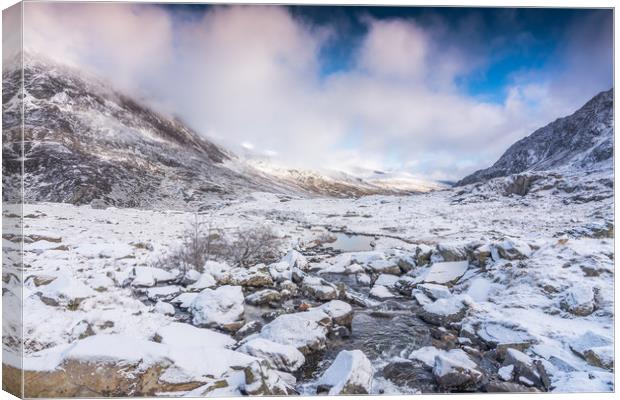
[
  {"x": 163, "y": 293},
  {"x": 185, "y": 335},
  {"x": 248, "y": 329},
  {"x": 318, "y": 288},
  {"x": 279, "y": 356},
  {"x": 260, "y": 380},
  {"x": 444, "y": 311},
  {"x": 455, "y": 370},
  {"x": 164, "y": 308},
  {"x": 596, "y": 349},
  {"x": 65, "y": 291},
  {"x": 203, "y": 281},
  {"x": 340, "y": 312},
  {"x": 445, "y": 273},
  {"x": 350, "y": 373},
  {"x": 423, "y": 254},
  {"x": 413, "y": 374},
  {"x": 435, "y": 291},
  {"x": 256, "y": 276},
  {"x": 302, "y": 333},
  {"x": 501, "y": 338},
  {"x": 579, "y": 300},
  {"x": 523, "y": 367},
  {"x": 387, "y": 280},
  {"x": 513, "y": 249},
  {"x": 263, "y": 297},
  {"x": 381, "y": 292},
  {"x": 221, "y": 307},
  {"x": 382, "y": 266},
  {"x": 452, "y": 252},
  {"x": 149, "y": 276}
]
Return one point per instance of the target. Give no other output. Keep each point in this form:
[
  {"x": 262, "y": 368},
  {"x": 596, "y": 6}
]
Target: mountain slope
[
  {"x": 583, "y": 141},
  {"x": 84, "y": 140}
]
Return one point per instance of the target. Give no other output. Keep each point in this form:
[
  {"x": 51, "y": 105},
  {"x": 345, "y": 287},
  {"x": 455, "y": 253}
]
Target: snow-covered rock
[
  {"x": 350, "y": 373},
  {"x": 279, "y": 356},
  {"x": 596, "y": 349},
  {"x": 435, "y": 291},
  {"x": 502, "y": 337},
  {"x": 255, "y": 276},
  {"x": 185, "y": 335},
  {"x": 263, "y": 297},
  {"x": 513, "y": 249},
  {"x": 382, "y": 266},
  {"x": 149, "y": 276},
  {"x": 319, "y": 288},
  {"x": 340, "y": 312},
  {"x": 444, "y": 311},
  {"x": 203, "y": 281},
  {"x": 387, "y": 280},
  {"x": 64, "y": 291},
  {"x": 221, "y": 307},
  {"x": 456, "y": 370},
  {"x": 446, "y": 273},
  {"x": 164, "y": 308},
  {"x": 381, "y": 292},
  {"x": 163, "y": 292},
  {"x": 579, "y": 300},
  {"x": 292, "y": 329}
]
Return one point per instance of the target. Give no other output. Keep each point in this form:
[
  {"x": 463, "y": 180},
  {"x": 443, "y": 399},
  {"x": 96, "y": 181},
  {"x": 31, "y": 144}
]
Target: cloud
[{"x": 251, "y": 78}]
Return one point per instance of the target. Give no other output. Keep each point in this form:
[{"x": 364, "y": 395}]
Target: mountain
[
  {"x": 581, "y": 141},
  {"x": 84, "y": 140}
]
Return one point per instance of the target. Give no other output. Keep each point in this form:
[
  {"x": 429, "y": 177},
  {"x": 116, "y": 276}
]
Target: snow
[
  {"x": 505, "y": 373},
  {"x": 65, "y": 289},
  {"x": 387, "y": 280},
  {"x": 184, "y": 335},
  {"x": 219, "y": 307},
  {"x": 446, "y": 272},
  {"x": 279, "y": 356},
  {"x": 296, "y": 331},
  {"x": 454, "y": 360},
  {"x": 205, "y": 280},
  {"x": 381, "y": 292},
  {"x": 164, "y": 308},
  {"x": 350, "y": 369},
  {"x": 445, "y": 306},
  {"x": 147, "y": 276},
  {"x": 435, "y": 291}
]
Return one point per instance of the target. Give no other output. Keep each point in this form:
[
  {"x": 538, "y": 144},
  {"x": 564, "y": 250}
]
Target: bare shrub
[
  {"x": 202, "y": 242},
  {"x": 254, "y": 245}
]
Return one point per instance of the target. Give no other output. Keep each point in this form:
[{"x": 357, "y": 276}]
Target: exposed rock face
[
  {"x": 583, "y": 140},
  {"x": 455, "y": 370}
]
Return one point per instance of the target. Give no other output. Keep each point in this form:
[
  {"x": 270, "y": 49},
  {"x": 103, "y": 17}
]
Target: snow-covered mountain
[
  {"x": 84, "y": 140},
  {"x": 581, "y": 141}
]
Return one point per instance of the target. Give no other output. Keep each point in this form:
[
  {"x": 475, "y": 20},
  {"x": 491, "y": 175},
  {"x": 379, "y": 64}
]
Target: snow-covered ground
[{"x": 514, "y": 293}]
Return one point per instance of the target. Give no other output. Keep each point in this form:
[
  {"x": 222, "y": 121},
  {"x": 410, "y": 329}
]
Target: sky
[{"x": 434, "y": 92}]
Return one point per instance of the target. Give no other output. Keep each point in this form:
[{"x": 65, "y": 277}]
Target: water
[{"x": 351, "y": 243}]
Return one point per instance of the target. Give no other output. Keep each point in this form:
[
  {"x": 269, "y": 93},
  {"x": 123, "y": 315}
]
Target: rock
[
  {"x": 350, "y": 373},
  {"x": 451, "y": 252},
  {"x": 455, "y": 370},
  {"x": 163, "y": 293},
  {"x": 405, "y": 284},
  {"x": 444, "y": 311},
  {"x": 513, "y": 249},
  {"x": 64, "y": 291},
  {"x": 423, "y": 254},
  {"x": 98, "y": 204},
  {"x": 263, "y": 381},
  {"x": 184, "y": 300},
  {"x": 148, "y": 276},
  {"x": 420, "y": 297},
  {"x": 278, "y": 356},
  {"x": 381, "y": 266},
  {"x": 381, "y": 292},
  {"x": 435, "y": 291},
  {"x": 256, "y": 276},
  {"x": 413, "y": 374},
  {"x": 406, "y": 263},
  {"x": 445, "y": 273},
  {"x": 482, "y": 254},
  {"x": 221, "y": 271},
  {"x": 506, "y": 373},
  {"x": 283, "y": 270},
  {"x": 263, "y": 297},
  {"x": 507, "y": 387},
  {"x": 340, "y": 312},
  {"x": 248, "y": 329},
  {"x": 501, "y": 338},
  {"x": 363, "y": 279},
  {"x": 293, "y": 329},
  {"x": 290, "y": 286},
  {"x": 318, "y": 288},
  {"x": 387, "y": 280},
  {"x": 524, "y": 367},
  {"x": 596, "y": 349},
  {"x": 221, "y": 307},
  {"x": 296, "y": 260},
  {"x": 164, "y": 308},
  {"x": 203, "y": 281},
  {"x": 579, "y": 300}
]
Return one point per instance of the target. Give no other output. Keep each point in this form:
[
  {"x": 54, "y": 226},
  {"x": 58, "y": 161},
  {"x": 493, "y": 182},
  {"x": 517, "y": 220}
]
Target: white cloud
[{"x": 251, "y": 78}]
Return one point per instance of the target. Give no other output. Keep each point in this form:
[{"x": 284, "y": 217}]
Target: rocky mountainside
[
  {"x": 84, "y": 140},
  {"x": 581, "y": 141}
]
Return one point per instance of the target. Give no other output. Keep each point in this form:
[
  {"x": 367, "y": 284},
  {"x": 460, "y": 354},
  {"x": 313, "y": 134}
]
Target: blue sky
[{"x": 435, "y": 92}]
